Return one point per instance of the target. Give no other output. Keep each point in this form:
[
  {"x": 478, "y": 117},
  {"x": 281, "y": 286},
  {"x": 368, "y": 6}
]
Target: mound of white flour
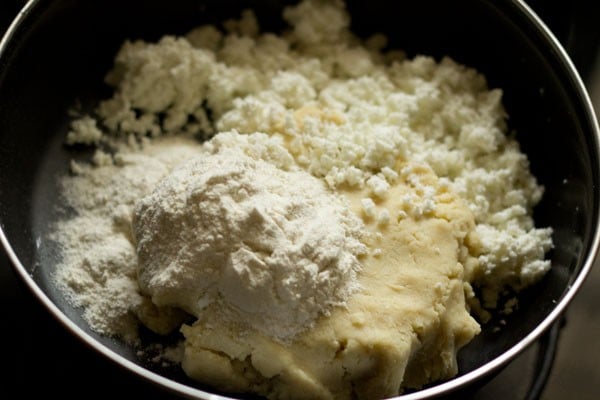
[{"x": 270, "y": 243}]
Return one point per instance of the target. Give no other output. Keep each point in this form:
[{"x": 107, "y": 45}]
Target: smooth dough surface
[{"x": 401, "y": 330}]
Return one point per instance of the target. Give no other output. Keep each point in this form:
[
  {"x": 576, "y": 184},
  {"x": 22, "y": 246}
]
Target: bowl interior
[{"x": 61, "y": 50}]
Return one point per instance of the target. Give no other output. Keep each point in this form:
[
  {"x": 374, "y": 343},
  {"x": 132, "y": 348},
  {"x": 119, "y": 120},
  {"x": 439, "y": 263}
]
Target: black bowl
[{"x": 58, "y": 51}]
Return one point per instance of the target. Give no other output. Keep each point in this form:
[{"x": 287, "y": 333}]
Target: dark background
[{"x": 40, "y": 356}]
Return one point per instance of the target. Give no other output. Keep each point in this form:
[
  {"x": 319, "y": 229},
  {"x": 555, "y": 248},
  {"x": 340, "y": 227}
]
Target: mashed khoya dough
[
  {"x": 328, "y": 211},
  {"x": 402, "y": 329}
]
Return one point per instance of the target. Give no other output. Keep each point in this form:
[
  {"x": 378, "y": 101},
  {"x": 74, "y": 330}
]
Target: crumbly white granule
[
  {"x": 346, "y": 110},
  {"x": 268, "y": 243},
  {"x": 84, "y": 130},
  {"x": 348, "y": 116}
]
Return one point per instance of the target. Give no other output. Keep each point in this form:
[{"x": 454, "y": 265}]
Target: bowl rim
[{"x": 443, "y": 388}]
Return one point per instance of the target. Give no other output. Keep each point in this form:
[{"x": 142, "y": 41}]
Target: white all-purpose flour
[{"x": 239, "y": 225}]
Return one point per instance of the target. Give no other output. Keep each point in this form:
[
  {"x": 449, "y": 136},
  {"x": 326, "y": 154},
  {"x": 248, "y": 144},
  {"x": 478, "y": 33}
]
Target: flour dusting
[{"x": 274, "y": 247}]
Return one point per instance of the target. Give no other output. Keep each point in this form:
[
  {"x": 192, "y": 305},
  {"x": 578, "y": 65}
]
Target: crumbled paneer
[
  {"x": 84, "y": 131},
  {"x": 348, "y": 113}
]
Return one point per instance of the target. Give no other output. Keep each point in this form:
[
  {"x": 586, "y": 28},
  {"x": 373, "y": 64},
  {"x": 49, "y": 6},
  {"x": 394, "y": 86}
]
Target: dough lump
[{"x": 401, "y": 330}]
